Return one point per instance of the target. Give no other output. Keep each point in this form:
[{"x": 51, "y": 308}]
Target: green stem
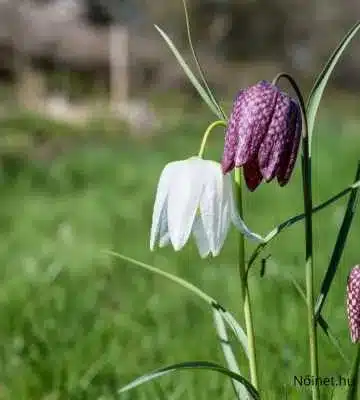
[
  {"x": 220, "y": 122},
  {"x": 278, "y": 229},
  {"x": 245, "y": 290},
  {"x": 309, "y": 267}
]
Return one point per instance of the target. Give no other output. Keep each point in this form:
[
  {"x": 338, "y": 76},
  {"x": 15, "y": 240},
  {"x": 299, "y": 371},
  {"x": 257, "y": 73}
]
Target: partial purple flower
[
  {"x": 353, "y": 303},
  {"x": 263, "y": 135}
]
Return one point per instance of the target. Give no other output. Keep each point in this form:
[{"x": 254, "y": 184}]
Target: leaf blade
[
  {"x": 321, "y": 81},
  {"x": 202, "y": 92},
  {"x": 228, "y": 318},
  {"x": 205, "y": 365},
  {"x": 339, "y": 245},
  {"x": 197, "y": 63},
  {"x": 239, "y": 388}
]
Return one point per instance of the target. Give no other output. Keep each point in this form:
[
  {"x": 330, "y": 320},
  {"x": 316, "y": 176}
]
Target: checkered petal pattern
[
  {"x": 353, "y": 303},
  {"x": 263, "y": 135}
]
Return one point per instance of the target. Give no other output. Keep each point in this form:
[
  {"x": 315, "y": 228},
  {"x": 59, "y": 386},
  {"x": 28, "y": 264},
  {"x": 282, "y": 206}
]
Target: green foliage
[{"x": 78, "y": 324}]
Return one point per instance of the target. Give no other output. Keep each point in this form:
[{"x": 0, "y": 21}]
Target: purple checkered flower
[
  {"x": 263, "y": 135},
  {"x": 353, "y": 303}
]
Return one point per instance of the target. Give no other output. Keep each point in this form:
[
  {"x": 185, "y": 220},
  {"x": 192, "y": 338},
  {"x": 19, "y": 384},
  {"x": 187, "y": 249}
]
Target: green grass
[{"x": 77, "y": 324}]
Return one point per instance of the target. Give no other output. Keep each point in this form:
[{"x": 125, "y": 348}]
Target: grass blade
[
  {"x": 201, "y": 72},
  {"x": 333, "y": 339},
  {"x": 239, "y": 388},
  {"x": 317, "y": 208},
  {"x": 235, "y": 327},
  {"x": 322, "y": 322},
  {"x": 297, "y": 218},
  {"x": 228, "y": 318},
  {"x": 339, "y": 246},
  {"x": 191, "y": 365},
  {"x": 202, "y": 92},
  {"x": 321, "y": 81}
]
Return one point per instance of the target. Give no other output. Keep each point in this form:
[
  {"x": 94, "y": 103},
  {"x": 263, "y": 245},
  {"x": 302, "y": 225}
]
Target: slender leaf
[
  {"x": 321, "y": 320},
  {"x": 235, "y": 327},
  {"x": 206, "y": 365},
  {"x": 317, "y": 208},
  {"x": 228, "y": 318},
  {"x": 297, "y": 218},
  {"x": 240, "y": 390},
  {"x": 339, "y": 245},
  {"x": 198, "y": 65},
  {"x": 202, "y": 92},
  {"x": 321, "y": 81},
  {"x": 333, "y": 339}
]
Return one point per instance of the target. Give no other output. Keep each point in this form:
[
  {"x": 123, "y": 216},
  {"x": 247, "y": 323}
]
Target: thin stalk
[
  {"x": 278, "y": 229},
  {"x": 245, "y": 290},
  {"x": 309, "y": 264},
  {"x": 198, "y": 65},
  {"x": 220, "y": 122}
]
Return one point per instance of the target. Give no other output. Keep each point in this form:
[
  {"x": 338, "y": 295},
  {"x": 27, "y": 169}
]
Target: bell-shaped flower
[
  {"x": 194, "y": 196},
  {"x": 263, "y": 135},
  {"x": 353, "y": 303}
]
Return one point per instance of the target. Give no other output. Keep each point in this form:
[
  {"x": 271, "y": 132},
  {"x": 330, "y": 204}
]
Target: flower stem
[
  {"x": 220, "y": 122},
  {"x": 245, "y": 289},
  {"x": 309, "y": 267}
]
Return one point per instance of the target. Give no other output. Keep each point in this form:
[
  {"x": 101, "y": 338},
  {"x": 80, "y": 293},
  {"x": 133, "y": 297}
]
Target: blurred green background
[
  {"x": 78, "y": 324},
  {"x": 87, "y": 124}
]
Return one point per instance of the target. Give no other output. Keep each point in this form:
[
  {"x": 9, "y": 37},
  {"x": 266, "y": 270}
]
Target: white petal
[
  {"x": 183, "y": 200},
  {"x": 159, "y": 217},
  {"x": 211, "y": 202},
  {"x": 237, "y": 221},
  {"x": 164, "y": 240},
  {"x": 201, "y": 238},
  {"x": 164, "y": 237},
  {"x": 225, "y": 217}
]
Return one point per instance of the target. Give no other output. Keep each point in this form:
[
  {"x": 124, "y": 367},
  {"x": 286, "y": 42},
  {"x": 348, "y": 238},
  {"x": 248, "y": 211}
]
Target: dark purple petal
[
  {"x": 291, "y": 146},
  {"x": 258, "y": 103},
  {"x": 252, "y": 174},
  {"x": 274, "y": 142},
  {"x": 231, "y": 135},
  {"x": 353, "y": 303}
]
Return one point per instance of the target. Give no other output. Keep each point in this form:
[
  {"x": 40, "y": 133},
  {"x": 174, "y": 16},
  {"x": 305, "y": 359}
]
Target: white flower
[{"x": 193, "y": 195}]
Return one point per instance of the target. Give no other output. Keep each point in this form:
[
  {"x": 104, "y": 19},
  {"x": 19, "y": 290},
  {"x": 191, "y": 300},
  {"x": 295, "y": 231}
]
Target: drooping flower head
[
  {"x": 353, "y": 303},
  {"x": 194, "y": 196},
  {"x": 263, "y": 135}
]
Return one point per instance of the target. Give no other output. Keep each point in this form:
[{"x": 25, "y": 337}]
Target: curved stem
[
  {"x": 309, "y": 268},
  {"x": 220, "y": 122},
  {"x": 245, "y": 289},
  {"x": 286, "y": 224}
]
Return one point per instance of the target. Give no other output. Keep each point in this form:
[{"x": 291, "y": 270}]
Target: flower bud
[{"x": 263, "y": 135}]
